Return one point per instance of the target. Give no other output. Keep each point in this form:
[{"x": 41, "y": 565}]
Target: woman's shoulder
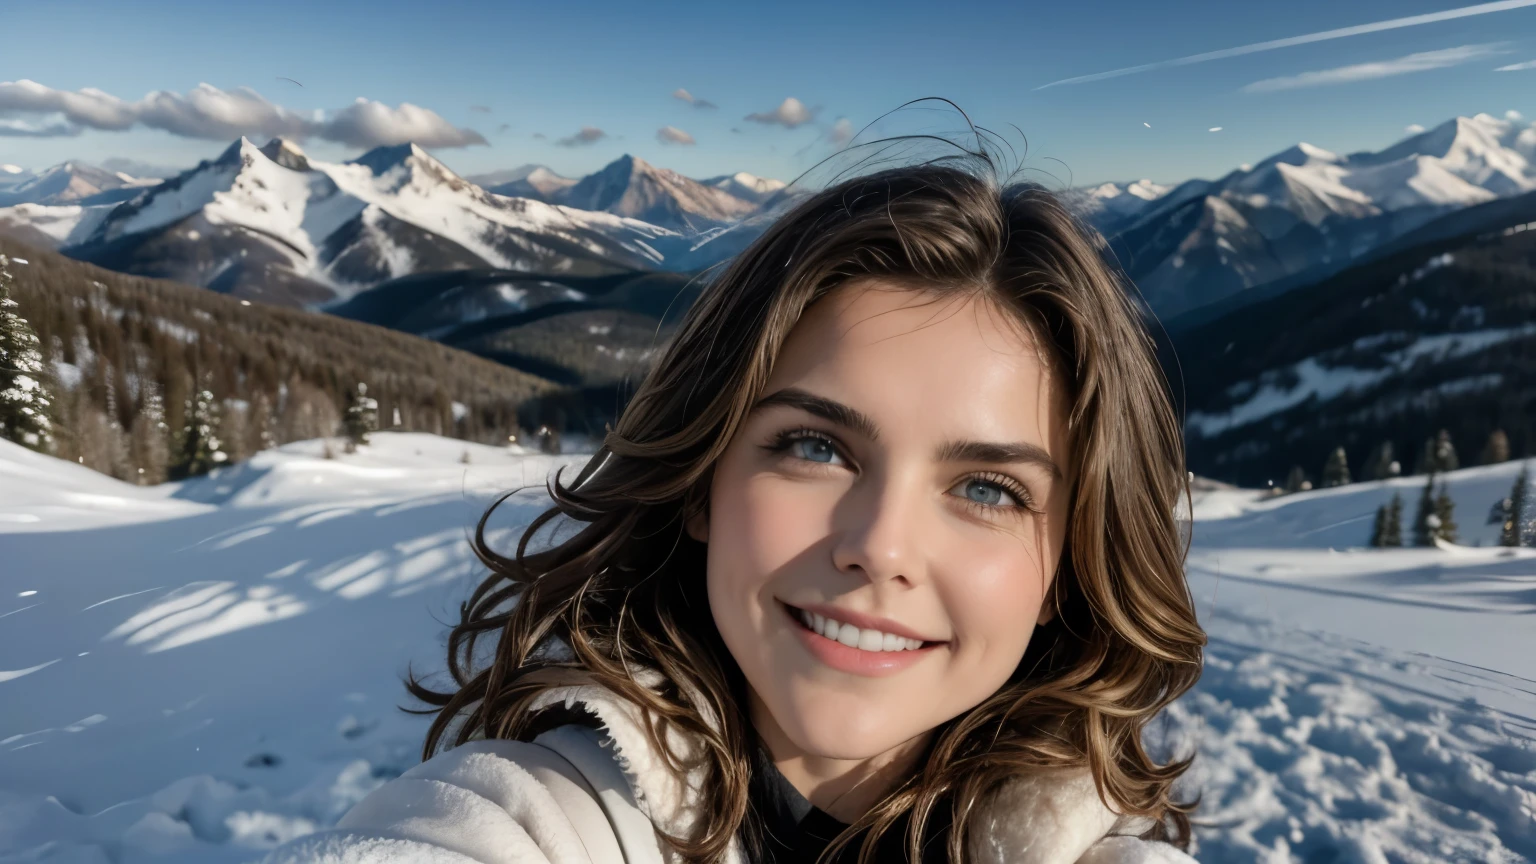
[
  {"x": 557, "y": 799},
  {"x": 1053, "y": 817}
]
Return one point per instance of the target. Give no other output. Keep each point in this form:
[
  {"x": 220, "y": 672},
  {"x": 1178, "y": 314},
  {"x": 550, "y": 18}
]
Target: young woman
[{"x": 880, "y": 563}]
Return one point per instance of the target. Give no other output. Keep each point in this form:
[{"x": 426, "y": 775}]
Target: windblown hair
[{"x": 627, "y": 589}]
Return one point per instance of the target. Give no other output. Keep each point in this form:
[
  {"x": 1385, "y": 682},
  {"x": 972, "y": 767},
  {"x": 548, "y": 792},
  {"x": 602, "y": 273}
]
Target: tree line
[{"x": 148, "y": 380}]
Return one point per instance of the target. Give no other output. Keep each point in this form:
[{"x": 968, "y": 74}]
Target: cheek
[
  {"x": 993, "y": 594},
  {"x": 759, "y": 525}
]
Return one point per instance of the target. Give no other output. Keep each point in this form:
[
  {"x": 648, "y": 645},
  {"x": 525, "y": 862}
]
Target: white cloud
[
  {"x": 841, "y": 132},
  {"x": 587, "y": 135},
  {"x": 366, "y": 123},
  {"x": 1422, "y": 61},
  {"x": 1413, "y": 128},
  {"x": 691, "y": 99},
  {"x": 1214, "y": 129},
  {"x": 673, "y": 135},
  {"x": 1322, "y": 36},
  {"x": 207, "y": 112},
  {"x": 1517, "y": 67},
  {"x": 790, "y": 113},
  {"x": 1512, "y": 114},
  {"x": 23, "y": 129}
]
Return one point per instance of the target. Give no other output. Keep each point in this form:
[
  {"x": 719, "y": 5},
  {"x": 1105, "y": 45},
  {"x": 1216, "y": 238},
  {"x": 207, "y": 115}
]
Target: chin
[{"x": 824, "y": 725}]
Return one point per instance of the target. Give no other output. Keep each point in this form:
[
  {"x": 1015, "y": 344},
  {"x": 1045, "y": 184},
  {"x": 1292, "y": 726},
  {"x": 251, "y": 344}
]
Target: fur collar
[{"x": 1032, "y": 820}]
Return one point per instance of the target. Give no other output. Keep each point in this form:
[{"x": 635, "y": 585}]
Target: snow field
[{"x": 199, "y": 671}]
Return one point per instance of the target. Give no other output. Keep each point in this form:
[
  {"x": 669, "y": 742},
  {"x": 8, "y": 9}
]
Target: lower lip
[{"x": 855, "y": 661}]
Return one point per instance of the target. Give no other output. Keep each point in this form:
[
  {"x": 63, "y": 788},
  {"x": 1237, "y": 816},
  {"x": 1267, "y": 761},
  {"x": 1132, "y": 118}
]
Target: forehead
[{"x": 951, "y": 359}]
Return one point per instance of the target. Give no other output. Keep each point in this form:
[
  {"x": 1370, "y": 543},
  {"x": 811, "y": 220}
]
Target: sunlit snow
[{"x": 199, "y": 671}]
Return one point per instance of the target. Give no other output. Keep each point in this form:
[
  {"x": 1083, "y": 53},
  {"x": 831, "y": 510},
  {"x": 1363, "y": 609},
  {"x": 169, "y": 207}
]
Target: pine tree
[
  {"x": 24, "y": 400},
  {"x": 1392, "y": 532},
  {"x": 149, "y": 438},
  {"x": 1516, "y": 512},
  {"x": 198, "y": 449},
  {"x": 1497, "y": 448},
  {"x": 1445, "y": 515},
  {"x": 1445, "y": 453},
  {"x": 1379, "y": 527},
  {"x": 1381, "y": 465},
  {"x": 1336, "y": 470},
  {"x": 1296, "y": 480},
  {"x": 1423, "y": 531},
  {"x": 260, "y": 432},
  {"x": 362, "y": 417}
]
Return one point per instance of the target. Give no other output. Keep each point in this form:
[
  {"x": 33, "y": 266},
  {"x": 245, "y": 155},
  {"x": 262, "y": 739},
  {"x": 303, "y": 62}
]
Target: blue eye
[
  {"x": 992, "y": 494},
  {"x": 818, "y": 446}
]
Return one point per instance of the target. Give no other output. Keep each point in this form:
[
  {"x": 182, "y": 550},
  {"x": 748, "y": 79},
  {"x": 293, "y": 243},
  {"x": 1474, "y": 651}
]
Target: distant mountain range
[
  {"x": 1304, "y": 211},
  {"x": 1314, "y": 300},
  {"x": 69, "y": 183},
  {"x": 268, "y": 222},
  {"x": 1435, "y": 331}
]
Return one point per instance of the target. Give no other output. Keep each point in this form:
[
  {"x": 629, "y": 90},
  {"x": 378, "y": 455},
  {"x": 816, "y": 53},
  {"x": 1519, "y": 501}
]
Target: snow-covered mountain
[
  {"x": 1113, "y": 203},
  {"x": 1434, "y": 332},
  {"x": 496, "y": 178},
  {"x": 269, "y": 222},
  {"x": 747, "y": 187},
  {"x": 1307, "y": 209},
  {"x": 530, "y": 181},
  {"x": 630, "y": 186},
  {"x": 69, "y": 183}
]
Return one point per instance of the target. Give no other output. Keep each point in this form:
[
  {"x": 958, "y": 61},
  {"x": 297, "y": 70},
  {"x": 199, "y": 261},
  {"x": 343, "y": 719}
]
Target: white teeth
[
  {"x": 854, "y": 637},
  {"x": 848, "y": 635}
]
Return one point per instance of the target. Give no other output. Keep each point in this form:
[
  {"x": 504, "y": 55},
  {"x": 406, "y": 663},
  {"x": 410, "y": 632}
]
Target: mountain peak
[
  {"x": 384, "y": 158},
  {"x": 286, "y": 154},
  {"x": 1312, "y": 151},
  {"x": 237, "y": 151}
]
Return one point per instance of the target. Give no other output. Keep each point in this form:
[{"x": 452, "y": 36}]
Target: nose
[{"x": 881, "y": 535}]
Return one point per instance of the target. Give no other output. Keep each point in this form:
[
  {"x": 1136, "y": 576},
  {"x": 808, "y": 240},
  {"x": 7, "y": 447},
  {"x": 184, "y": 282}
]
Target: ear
[{"x": 697, "y": 525}]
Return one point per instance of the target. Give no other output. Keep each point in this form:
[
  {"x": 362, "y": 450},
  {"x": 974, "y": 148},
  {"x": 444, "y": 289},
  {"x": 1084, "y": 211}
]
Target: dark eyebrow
[{"x": 950, "y": 451}]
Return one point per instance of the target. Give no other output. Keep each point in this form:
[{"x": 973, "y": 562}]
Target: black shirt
[{"x": 796, "y": 832}]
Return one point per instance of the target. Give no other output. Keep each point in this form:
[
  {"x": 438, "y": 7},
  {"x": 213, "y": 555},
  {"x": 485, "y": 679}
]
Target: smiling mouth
[{"x": 864, "y": 639}]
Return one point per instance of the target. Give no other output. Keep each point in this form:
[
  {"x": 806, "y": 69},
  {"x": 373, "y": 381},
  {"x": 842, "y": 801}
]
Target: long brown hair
[{"x": 627, "y": 589}]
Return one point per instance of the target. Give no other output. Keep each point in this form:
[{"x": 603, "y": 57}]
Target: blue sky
[{"x": 551, "y": 68}]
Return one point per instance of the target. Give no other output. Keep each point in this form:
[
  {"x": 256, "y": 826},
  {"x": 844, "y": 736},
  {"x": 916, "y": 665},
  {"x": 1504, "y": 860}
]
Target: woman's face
[{"x": 883, "y": 529}]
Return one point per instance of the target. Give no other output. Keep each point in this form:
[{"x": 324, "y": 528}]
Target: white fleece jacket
[{"x": 577, "y": 796}]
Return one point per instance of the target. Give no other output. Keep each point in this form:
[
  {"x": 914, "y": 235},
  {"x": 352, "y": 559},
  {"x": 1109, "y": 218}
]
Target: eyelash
[{"x": 788, "y": 437}]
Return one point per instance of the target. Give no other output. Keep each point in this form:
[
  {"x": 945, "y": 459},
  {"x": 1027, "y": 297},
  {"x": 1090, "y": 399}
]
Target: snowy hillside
[{"x": 196, "y": 672}]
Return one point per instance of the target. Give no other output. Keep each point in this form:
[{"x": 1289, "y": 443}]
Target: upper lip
[{"x": 863, "y": 621}]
